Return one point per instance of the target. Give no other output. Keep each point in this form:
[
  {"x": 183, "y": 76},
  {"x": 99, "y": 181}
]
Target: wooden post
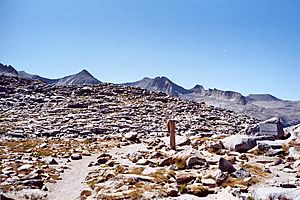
[{"x": 171, "y": 130}]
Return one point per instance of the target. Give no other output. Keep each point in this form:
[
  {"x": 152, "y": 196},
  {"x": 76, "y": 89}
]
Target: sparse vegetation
[
  {"x": 136, "y": 170},
  {"x": 180, "y": 163},
  {"x": 182, "y": 188}
]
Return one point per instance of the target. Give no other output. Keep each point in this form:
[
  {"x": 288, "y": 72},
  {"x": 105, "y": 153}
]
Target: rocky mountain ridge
[
  {"x": 261, "y": 106},
  {"x": 7, "y": 70},
  {"x": 107, "y": 141},
  {"x": 83, "y": 77}
]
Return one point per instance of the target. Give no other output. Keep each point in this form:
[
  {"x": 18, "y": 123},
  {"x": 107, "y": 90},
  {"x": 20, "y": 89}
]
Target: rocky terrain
[
  {"x": 260, "y": 106},
  {"x": 110, "y": 142}
]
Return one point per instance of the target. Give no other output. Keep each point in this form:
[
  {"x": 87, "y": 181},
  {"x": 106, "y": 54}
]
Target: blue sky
[{"x": 250, "y": 46}]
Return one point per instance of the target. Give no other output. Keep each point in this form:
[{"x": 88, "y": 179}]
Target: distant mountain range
[
  {"x": 83, "y": 77},
  {"x": 260, "y": 106}
]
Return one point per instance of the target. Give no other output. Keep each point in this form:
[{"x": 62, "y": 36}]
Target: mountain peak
[
  {"x": 262, "y": 97},
  {"x": 198, "y": 89},
  {"x": 84, "y": 71},
  {"x": 162, "y": 78},
  {"x": 8, "y": 70},
  {"x": 159, "y": 83}
]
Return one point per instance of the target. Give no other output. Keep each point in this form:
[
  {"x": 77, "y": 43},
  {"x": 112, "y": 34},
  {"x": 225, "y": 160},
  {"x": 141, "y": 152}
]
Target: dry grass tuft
[
  {"x": 136, "y": 194},
  {"x": 285, "y": 148},
  {"x": 258, "y": 175},
  {"x": 136, "y": 170},
  {"x": 180, "y": 163}
]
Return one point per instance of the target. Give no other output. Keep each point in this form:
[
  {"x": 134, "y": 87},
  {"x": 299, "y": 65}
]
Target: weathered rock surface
[{"x": 119, "y": 133}]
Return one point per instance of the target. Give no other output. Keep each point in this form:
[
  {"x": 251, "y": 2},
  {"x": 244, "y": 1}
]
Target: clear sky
[{"x": 249, "y": 46}]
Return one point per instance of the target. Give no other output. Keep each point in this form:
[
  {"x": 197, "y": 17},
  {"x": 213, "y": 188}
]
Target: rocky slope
[
  {"x": 260, "y": 106},
  {"x": 116, "y": 136}
]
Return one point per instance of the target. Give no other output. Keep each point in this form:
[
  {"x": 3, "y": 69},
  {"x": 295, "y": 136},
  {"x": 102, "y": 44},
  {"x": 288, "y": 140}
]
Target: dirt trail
[{"x": 72, "y": 182}]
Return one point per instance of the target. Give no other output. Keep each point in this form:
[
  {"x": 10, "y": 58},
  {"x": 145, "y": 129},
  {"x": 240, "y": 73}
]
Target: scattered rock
[
  {"x": 241, "y": 173},
  {"x": 198, "y": 190},
  {"x": 226, "y": 166},
  {"x": 76, "y": 156},
  {"x": 25, "y": 167},
  {"x": 239, "y": 143},
  {"x": 194, "y": 160},
  {"x": 185, "y": 178},
  {"x": 166, "y": 162}
]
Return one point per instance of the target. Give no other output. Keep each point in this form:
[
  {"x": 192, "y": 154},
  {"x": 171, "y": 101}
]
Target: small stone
[
  {"x": 287, "y": 185},
  {"x": 102, "y": 160},
  {"x": 86, "y": 153},
  {"x": 142, "y": 162},
  {"x": 51, "y": 161},
  {"x": 198, "y": 190},
  {"x": 135, "y": 156},
  {"x": 76, "y": 156},
  {"x": 208, "y": 182},
  {"x": 130, "y": 136},
  {"x": 185, "y": 178},
  {"x": 110, "y": 163},
  {"x": 194, "y": 160},
  {"x": 44, "y": 145},
  {"x": 34, "y": 182},
  {"x": 166, "y": 162},
  {"x": 171, "y": 192},
  {"x": 85, "y": 193},
  {"x": 25, "y": 167},
  {"x": 288, "y": 169},
  {"x": 221, "y": 177},
  {"x": 241, "y": 173},
  {"x": 263, "y": 147}
]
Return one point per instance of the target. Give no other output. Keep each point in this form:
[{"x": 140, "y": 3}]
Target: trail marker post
[{"x": 171, "y": 130}]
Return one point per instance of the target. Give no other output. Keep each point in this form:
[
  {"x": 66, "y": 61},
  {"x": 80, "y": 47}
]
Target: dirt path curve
[{"x": 72, "y": 182}]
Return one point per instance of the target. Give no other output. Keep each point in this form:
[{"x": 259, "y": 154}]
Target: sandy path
[{"x": 72, "y": 182}]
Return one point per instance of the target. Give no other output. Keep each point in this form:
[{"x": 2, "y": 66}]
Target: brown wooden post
[{"x": 171, "y": 130}]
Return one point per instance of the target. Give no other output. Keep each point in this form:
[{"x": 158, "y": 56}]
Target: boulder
[
  {"x": 226, "y": 166},
  {"x": 185, "y": 178},
  {"x": 239, "y": 143},
  {"x": 195, "y": 160},
  {"x": 271, "y": 127}
]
